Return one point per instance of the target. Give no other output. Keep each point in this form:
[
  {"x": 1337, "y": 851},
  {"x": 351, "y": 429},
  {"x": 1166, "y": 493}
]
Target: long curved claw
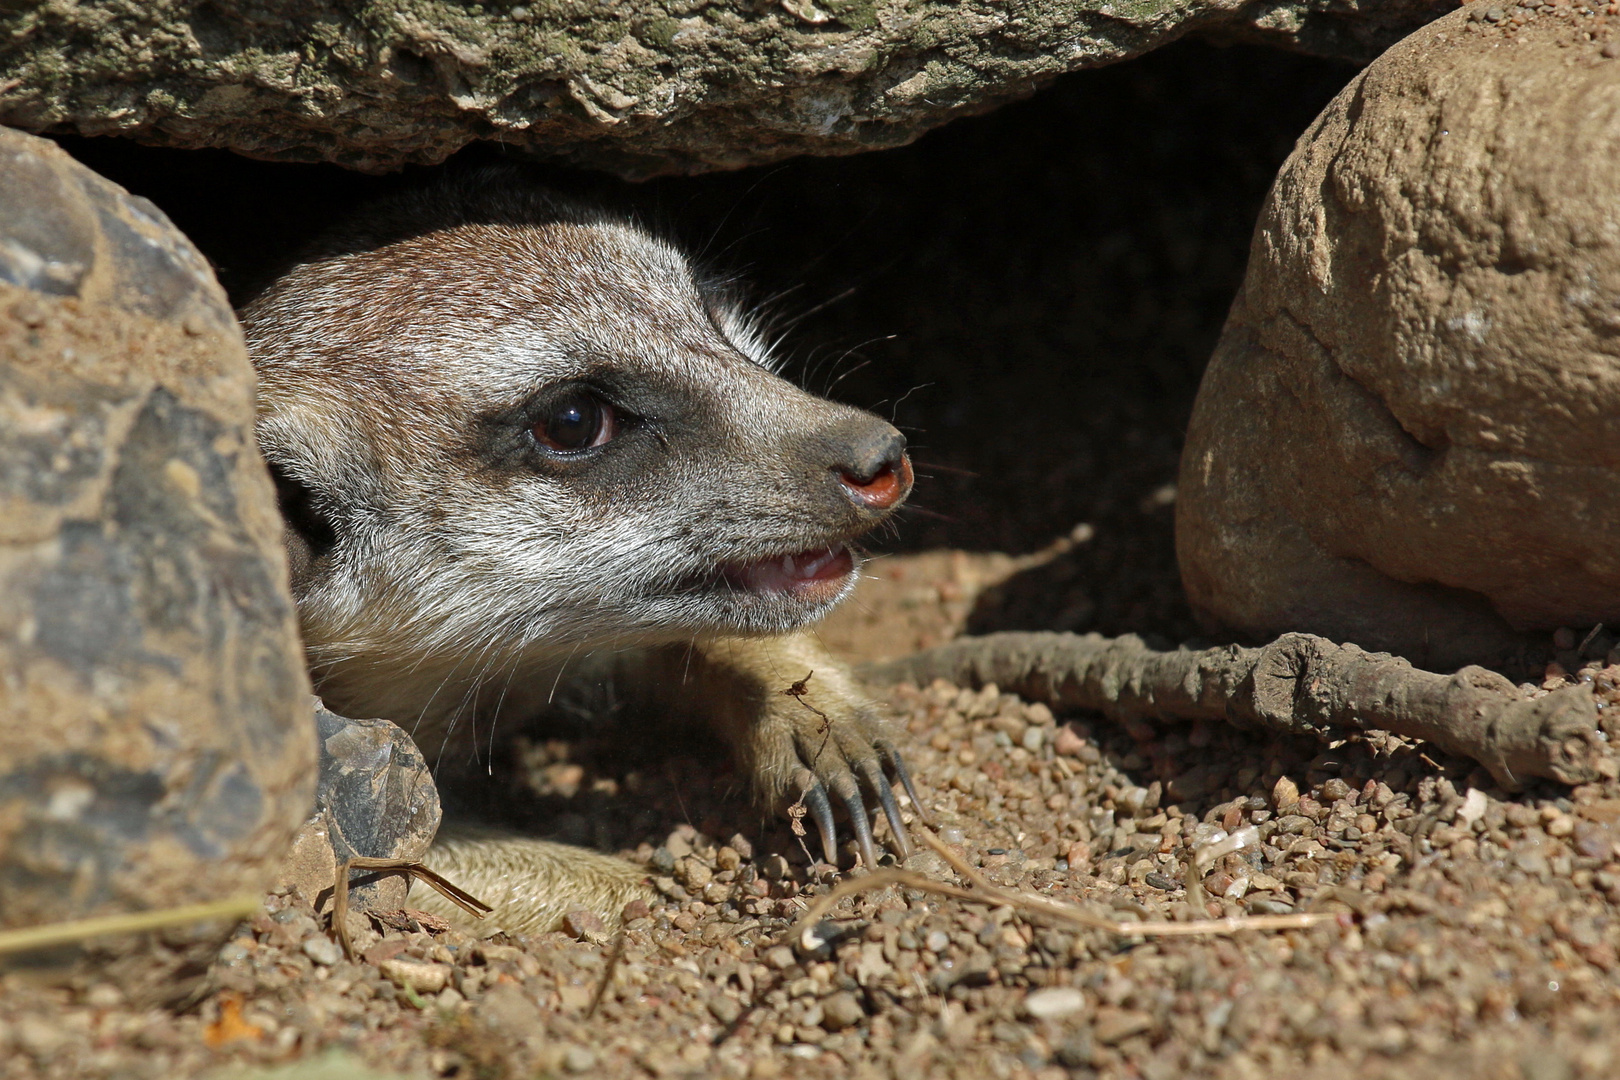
[
  {"x": 828, "y": 739},
  {"x": 814, "y": 797},
  {"x": 872, "y": 773},
  {"x": 897, "y": 763},
  {"x": 850, "y": 792}
]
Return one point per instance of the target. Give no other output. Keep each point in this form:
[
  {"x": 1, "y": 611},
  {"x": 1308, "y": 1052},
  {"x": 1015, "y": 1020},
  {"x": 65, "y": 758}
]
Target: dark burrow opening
[{"x": 1031, "y": 294}]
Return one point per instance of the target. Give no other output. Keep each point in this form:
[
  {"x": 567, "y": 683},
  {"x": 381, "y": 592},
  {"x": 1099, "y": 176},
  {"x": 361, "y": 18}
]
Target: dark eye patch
[{"x": 610, "y": 420}]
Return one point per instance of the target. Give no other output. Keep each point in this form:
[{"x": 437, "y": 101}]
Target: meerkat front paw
[{"x": 806, "y": 731}]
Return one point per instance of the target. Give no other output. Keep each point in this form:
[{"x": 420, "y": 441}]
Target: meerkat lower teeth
[
  {"x": 786, "y": 573},
  {"x": 816, "y": 563}
]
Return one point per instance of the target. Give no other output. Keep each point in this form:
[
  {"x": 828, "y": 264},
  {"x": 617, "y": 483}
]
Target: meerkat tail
[{"x": 531, "y": 884}]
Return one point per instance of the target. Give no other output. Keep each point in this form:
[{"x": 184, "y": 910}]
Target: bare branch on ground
[
  {"x": 1299, "y": 684},
  {"x": 1040, "y": 908}
]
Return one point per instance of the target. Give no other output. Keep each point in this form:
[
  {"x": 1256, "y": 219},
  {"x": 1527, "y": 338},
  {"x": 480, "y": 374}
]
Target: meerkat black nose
[{"x": 875, "y": 469}]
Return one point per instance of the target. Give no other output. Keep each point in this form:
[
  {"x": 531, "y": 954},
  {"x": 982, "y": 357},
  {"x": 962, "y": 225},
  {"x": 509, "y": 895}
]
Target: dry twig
[
  {"x": 1299, "y": 684},
  {"x": 52, "y": 935},
  {"x": 612, "y": 966},
  {"x": 983, "y": 892},
  {"x": 340, "y": 892}
]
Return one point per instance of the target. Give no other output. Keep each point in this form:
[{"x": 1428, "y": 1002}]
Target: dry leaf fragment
[{"x": 230, "y": 1027}]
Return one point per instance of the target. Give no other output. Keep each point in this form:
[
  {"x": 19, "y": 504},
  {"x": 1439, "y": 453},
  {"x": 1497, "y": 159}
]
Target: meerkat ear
[{"x": 308, "y": 534}]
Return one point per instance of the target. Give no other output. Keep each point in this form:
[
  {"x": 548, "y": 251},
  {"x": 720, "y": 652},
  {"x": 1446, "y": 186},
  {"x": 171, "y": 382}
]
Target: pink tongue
[{"x": 787, "y": 572}]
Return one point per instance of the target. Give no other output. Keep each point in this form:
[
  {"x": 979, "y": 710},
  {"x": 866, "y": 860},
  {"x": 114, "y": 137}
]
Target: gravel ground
[{"x": 1474, "y": 932}]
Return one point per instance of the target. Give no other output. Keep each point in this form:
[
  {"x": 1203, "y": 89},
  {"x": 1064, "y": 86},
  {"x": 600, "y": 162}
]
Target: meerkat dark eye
[{"x": 576, "y": 422}]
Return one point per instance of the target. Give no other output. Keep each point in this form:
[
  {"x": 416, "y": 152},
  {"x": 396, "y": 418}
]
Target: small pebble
[
  {"x": 724, "y": 1009},
  {"x": 1037, "y": 712},
  {"x": 1335, "y": 789},
  {"x": 819, "y": 936},
  {"x": 104, "y": 996},
  {"x": 1131, "y": 799},
  {"x": 37, "y": 1037},
  {"x": 577, "y": 1059},
  {"x": 1473, "y": 807},
  {"x": 1067, "y": 743},
  {"x": 1222, "y": 844},
  {"x": 584, "y": 925},
  {"x": 1116, "y": 1025},
  {"x": 423, "y": 978},
  {"x": 234, "y": 952},
  {"x": 693, "y": 873},
  {"x": 1054, "y": 1002},
  {"x": 322, "y": 949},
  {"x": 840, "y": 1011},
  {"x": 1269, "y": 905},
  {"x": 29, "y": 312}
]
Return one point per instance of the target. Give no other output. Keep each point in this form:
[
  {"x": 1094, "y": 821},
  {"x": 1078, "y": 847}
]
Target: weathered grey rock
[
  {"x": 646, "y": 86},
  {"x": 155, "y": 739},
  {"x": 376, "y": 798},
  {"x": 1409, "y": 435}
]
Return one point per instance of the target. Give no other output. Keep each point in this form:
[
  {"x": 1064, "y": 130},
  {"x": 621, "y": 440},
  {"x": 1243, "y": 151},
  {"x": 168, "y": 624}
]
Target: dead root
[
  {"x": 1035, "y": 907},
  {"x": 1298, "y": 684}
]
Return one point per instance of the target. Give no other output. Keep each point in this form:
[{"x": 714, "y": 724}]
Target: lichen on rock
[{"x": 643, "y": 87}]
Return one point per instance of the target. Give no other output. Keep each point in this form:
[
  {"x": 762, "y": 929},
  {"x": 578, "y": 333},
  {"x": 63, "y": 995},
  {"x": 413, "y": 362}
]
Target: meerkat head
[{"x": 505, "y": 428}]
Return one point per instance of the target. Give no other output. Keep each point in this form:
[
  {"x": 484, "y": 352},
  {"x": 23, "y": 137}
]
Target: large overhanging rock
[
  {"x": 648, "y": 86},
  {"x": 1409, "y": 435}
]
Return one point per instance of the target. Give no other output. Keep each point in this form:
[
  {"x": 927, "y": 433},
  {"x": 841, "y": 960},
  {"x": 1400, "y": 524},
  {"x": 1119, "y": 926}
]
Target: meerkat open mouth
[{"x": 803, "y": 574}]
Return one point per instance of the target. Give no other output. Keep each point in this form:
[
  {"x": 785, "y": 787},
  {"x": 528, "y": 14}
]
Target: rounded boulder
[{"x": 1409, "y": 434}]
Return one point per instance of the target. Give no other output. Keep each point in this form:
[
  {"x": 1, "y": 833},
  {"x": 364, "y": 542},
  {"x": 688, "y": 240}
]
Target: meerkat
[{"x": 508, "y": 432}]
